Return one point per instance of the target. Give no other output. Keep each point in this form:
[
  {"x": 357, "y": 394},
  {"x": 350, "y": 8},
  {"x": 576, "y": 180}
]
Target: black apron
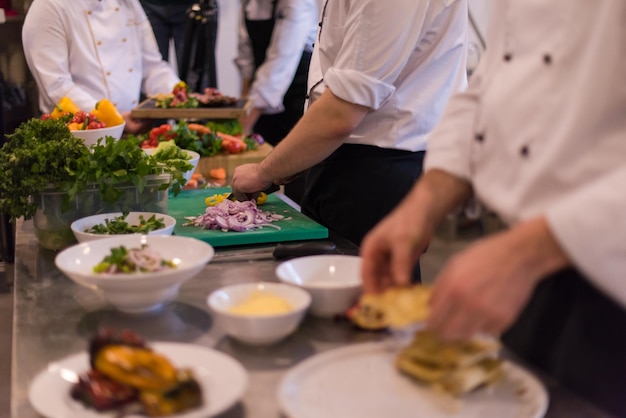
[
  {"x": 275, "y": 127},
  {"x": 576, "y": 334},
  {"x": 357, "y": 186}
]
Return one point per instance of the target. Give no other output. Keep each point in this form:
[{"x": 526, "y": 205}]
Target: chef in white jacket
[
  {"x": 539, "y": 137},
  {"x": 92, "y": 49},
  {"x": 387, "y": 69}
]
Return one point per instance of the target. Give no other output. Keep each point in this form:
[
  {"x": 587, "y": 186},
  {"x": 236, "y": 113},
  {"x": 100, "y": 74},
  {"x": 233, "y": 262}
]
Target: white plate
[
  {"x": 222, "y": 378},
  {"x": 360, "y": 381}
]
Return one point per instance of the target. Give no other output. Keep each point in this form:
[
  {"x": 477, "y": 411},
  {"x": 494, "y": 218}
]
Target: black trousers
[
  {"x": 577, "y": 335},
  {"x": 357, "y": 186}
]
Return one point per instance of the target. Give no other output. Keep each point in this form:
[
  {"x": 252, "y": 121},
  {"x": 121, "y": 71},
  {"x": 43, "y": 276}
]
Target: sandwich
[
  {"x": 451, "y": 367},
  {"x": 454, "y": 367}
]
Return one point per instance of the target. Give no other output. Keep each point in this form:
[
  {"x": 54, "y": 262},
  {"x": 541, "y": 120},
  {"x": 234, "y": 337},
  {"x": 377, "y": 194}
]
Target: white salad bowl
[
  {"x": 142, "y": 291},
  {"x": 80, "y": 226},
  {"x": 91, "y": 136},
  {"x": 256, "y": 329},
  {"x": 334, "y": 281}
]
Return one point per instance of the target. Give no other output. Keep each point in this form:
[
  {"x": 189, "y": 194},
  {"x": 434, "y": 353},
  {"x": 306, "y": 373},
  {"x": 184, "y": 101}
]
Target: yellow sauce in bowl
[{"x": 260, "y": 303}]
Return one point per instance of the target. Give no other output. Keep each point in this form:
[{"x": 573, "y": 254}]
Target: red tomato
[{"x": 233, "y": 147}]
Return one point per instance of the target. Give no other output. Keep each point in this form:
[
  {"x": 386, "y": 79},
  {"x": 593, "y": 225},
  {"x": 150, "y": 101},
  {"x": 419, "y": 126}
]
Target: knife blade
[
  {"x": 273, "y": 188},
  {"x": 280, "y": 252}
]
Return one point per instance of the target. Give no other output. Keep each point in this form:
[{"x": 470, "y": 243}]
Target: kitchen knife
[
  {"x": 273, "y": 188},
  {"x": 280, "y": 252},
  {"x": 286, "y": 251}
]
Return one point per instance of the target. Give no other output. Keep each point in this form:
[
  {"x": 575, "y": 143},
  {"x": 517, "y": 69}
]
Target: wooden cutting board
[
  {"x": 191, "y": 203},
  {"x": 149, "y": 110}
]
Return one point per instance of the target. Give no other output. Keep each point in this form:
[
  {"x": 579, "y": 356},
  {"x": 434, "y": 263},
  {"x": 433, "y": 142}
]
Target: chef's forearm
[
  {"x": 322, "y": 129},
  {"x": 436, "y": 194}
]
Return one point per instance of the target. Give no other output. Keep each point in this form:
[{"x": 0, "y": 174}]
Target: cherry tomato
[
  {"x": 95, "y": 124},
  {"x": 79, "y": 117}
]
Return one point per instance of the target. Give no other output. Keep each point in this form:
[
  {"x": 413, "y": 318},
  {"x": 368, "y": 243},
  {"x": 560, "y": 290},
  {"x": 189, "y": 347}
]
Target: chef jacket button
[
  {"x": 99, "y": 43},
  {"x": 108, "y": 72},
  {"x": 508, "y": 57},
  {"x": 130, "y": 70},
  {"x": 547, "y": 59},
  {"x": 89, "y": 12},
  {"x": 479, "y": 137},
  {"x": 123, "y": 39},
  {"x": 117, "y": 9},
  {"x": 524, "y": 151}
]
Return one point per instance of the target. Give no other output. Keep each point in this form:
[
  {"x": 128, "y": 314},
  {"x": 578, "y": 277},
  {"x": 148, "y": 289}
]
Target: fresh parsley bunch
[
  {"x": 37, "y": 156},
  {"x": 44, "y": 156}
]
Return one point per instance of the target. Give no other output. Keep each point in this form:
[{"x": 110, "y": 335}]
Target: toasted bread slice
[{"x": 396, "y": 307}]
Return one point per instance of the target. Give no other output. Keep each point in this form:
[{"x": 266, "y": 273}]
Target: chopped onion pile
[{"x": 234, "y": 216}]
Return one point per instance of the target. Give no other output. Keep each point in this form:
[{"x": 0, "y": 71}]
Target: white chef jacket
[
  {"x": 541, "y": 130},
  {"x": 294, "y": 32},
  {"x": 401, "y": 58},
  {"x": 90, "y": 49}
]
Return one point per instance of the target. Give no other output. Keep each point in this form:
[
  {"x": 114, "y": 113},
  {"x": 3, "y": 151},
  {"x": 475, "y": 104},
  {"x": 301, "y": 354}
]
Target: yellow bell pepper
[
  {"x": 75, "y": 126},
  {"x": 261, "y": 198},
  {"x": 136, "y": 367},
  {"x": 64, "y": 106},
  {"x": 215, "y": 199},
  {"x": 106, "y": 112}
]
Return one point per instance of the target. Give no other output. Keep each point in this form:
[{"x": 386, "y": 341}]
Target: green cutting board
[{"x": 191, "y": 203}]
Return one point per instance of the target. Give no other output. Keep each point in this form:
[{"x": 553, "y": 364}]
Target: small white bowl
[
  {"x": 136, "y": 292},
  {"x": 194, "y": 158},
  {"x": 334, "y": 281},
  {"x": 91, "y": 136},
  {"x": 258, "y": 329},
  {"x": 81, "y": 225}
]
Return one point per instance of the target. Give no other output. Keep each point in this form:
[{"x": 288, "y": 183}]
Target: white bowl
[
  {"x": 91, "y": 136},
  {"x": 256, "y": 329},
  {"x": 334, "y": 281},
  {"x": 136, "y": 292},
  {"x": 81, "y": 225},
  {"x": 194, "y": 159}
]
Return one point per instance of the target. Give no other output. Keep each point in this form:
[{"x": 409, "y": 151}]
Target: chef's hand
[
  {"x": 135, "y": 126},
  {"x": 248, "y": 182},
  {"x": 484, "y": 288},
  {"x": 391, "y": 250}
]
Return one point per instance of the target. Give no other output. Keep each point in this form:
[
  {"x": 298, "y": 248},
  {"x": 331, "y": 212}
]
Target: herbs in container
[{"x": 51, "y": 176}]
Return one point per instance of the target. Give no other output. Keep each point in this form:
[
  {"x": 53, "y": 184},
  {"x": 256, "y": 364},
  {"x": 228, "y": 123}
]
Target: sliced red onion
[{"x": 234, "y": 216}]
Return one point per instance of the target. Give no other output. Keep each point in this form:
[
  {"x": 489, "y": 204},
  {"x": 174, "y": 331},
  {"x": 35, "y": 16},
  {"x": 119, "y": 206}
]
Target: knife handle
[
  {"x": 273, "y": 188},
  {"x": 286, "y": 251}
]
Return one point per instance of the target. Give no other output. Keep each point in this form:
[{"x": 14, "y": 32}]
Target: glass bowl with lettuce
[{"x": 50, "y": 176}]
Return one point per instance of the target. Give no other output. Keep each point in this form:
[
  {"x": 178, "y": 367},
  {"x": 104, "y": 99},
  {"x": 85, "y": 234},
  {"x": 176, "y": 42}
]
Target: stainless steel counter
[{"x": 53, "y": 318}]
